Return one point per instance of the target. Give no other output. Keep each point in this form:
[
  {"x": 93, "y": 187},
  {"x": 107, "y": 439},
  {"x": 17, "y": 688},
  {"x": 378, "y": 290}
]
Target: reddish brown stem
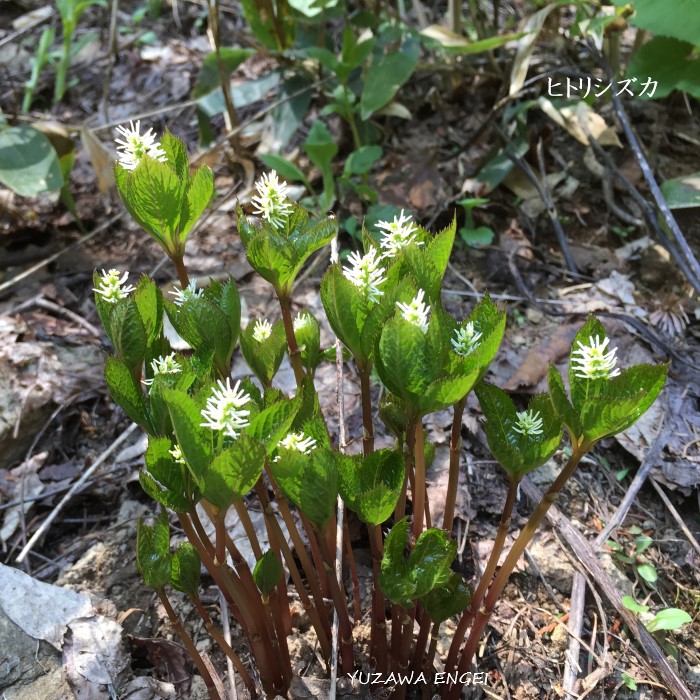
[
  {"x": 455, "y": 452},
  {"x": 378, "y": 650},
  {"x": 189, "y": 645},
  {"x": 181, "y": 271},
  {"x": 294, "y": 352},
  {"x": 366, "y": 398},
  {"x": 419, "y": 481}
]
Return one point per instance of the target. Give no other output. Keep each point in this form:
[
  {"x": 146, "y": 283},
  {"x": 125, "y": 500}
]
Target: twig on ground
[
  {"x": 74, "y": 489},
  {"x": 578, "y": 588},
  {"x": 584, "y": 552},
  {"x": 676, "y": 515},
  {"x": 8, "y": 284}
]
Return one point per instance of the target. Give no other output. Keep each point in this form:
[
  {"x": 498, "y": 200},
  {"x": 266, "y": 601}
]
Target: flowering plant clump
[{"x": 215, "y": 445}]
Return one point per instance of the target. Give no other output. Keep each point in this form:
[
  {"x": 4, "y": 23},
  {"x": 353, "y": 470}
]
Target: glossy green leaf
[
  {"x": 273, "y": 423},
  {"x": 28, "y": 162},
  {"x": 267, "y": 572},
  {"x": 309, "y": 481},
  {"x": 647, "y": 572},
  {"x": 128, "y": 334},
  {"x": 176, "y": 155},
  {"x": 185, "y": 570},
  {"x": 125, "y": 390},
  {"x": 233, "y": 472},
  {"x": 448, "y": 599},
  {"x": 149, "y": 302},
  {"x": 288, "y": 170},
  {"x": 194, "y": 440},
  {"x": 165, "y": 478},
  {"x": 394, "y": 580},
  {"x": 430, "y": 560},
  {"x": 371, "y": 485},
  {"x": 198, "y": 193},
  {"x": 562, "y": 405},
  {"x": 516, "y": 452},
  {"x": 264, "y": 358},
  {"x": 153, "y": 558},
  {"x": 631, "y": 604}
]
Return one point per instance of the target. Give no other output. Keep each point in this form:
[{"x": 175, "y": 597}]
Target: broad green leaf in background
[
  {"x": 682, "y": 192},
  {"x": 631, "y": 604},
  {"x": 321, "y": 149},
  {"x": 361, "y": 161},
  {"x": 681, "y": 20},
  {"x": 28, "y": 163},
  {"x": 385, "y": 77},
  {"x": 670, "y": 63},
  {"x": 209, "y": 78},
  {"x": 153, "y": 558},
  {"x": 285, "y": 168}
]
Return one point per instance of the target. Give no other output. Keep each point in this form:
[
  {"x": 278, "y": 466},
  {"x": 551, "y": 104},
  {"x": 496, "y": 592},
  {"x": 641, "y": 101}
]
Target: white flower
[
  {"x": 262, "y": 330},
  {"x": 110, "y": 287},
  {"x": 366, "y": 274},
  {"x": 271, "y": 201},
  {"x": 224, "y": 410},
  {"x": 165, "y": 364},
  {"x": 189, "y": 292},
  {"x": 593, "y": 362},
  {"x": 297, "y": 441},
  {"x": 416, "y": 312},
  {"x": 176, "y": 454},
  {"x": 528, "y": 423},
  {"x": 302, "y": 320},
  {"x": 466, "y": 339},
  {"x": 398, "y": 234},
  {"x": 135, "y": 146}
]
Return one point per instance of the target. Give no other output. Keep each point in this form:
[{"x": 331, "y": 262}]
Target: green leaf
[
  {"x": 267, "y": 572},
  {"x": 209, "y": 78},
  {"x": 631, "y": 604},
  {"x": 194, "y": 440},
  {"x": 288, "y": 170},
  {"x": 430, "y": 559},
  {"x": 647, "y": 572},
  {"x": 149, "y": 302},
  {"x": 198, "y": 194},
  {"x": 682, "y": 192},
  {"x": 233, "y": 472},
  {"x": 308, "y": 337},
  {"x": 28, "y": 162},
  {"x": 562, "y": 405},
  {"x": 518, "y": 454},
  {"x": 385, "y": 77},
  {"x": 683, "y": 23},
  {"x": 448, "y": 599},
  {"x": 319, "y": 146},
  {"x": 394, "y": 580},
  {"x": 153, "y": 558},
  {"x": 153, "y": 195},
  {"x": 669, "y": 619},
  {"x": 165, "y": 480},
  {"x": 360, "y": 162},
  {"x": 128, "y": 334},
  {"x": 371, "y": 486},
  {"x": 125, "y": 390},
  {"x": 264, "y": 358},
  {"x": 642, "y": 543},
  {"x": 309, "y": 481},
  {"x": 346, "y": 310},
  {"x": 273, "y": 423},
  {"x": 176, "y": 154},
  {"x": 479, "y": 237},
  {"x": 207, "y": 325},
  {"x": 185, "y": 570}
]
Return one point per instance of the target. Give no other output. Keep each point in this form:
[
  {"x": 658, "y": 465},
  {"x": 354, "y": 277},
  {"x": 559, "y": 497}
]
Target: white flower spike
[
  {"x": 165, "y": 364},
  {"x": 528, "y": 423},
  {"x": 262, "y": 330},
  {"x": 135, "y": 146},
  {"x": 366, "y": 274},
  {"x": 302, "y": 320},
  {"x": 271, "y": 201},
  {"x": 189, "y": 292},
  {"x": 398, "y": 234},
  {"x": 224, "y": 410},
  {"x": 111, "y": 286},
  {"x": 593, "y": 362},
  {"x": 297, "y": 441},
  {"x": 416, "y": 313},
  {"x": 466, "y": 339}
]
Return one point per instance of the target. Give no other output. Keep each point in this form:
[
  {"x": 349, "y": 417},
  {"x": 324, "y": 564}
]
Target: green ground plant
[{"x": 212, "y": 443}]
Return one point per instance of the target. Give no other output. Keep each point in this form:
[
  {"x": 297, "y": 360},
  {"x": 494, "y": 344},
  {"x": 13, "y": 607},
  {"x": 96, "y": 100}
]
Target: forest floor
[{"x": 57, "y": 419}]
